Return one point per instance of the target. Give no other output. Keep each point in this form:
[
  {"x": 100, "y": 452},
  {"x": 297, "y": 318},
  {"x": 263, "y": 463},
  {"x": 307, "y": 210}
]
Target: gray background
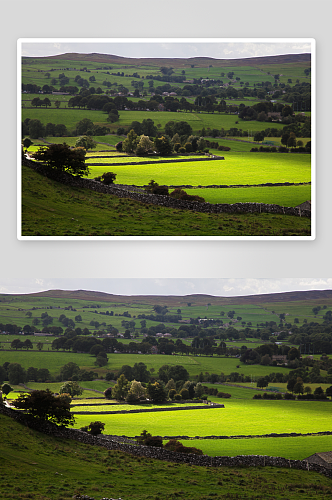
[{"x": 201, "y": 259}]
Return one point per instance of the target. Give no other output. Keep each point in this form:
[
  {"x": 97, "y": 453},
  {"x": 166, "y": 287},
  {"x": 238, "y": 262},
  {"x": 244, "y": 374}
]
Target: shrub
[
  {"x": 108, "y": 178},
  {"x": 177, "y": 446},
  {"x": 108, "y": 393},
  {"x": 288, "y": 395},
  {"x": 223, "y": 395},
  {"x": 180, "y": 194},
  {"x": 94, "y": 428},
  {"x": 161, "y": 190},
  {"x": 154, "y": 441},
  {"x": 257, "y": 396},
  {"x": 182, "y": 150},
  {"x": 223, "y": 148}
]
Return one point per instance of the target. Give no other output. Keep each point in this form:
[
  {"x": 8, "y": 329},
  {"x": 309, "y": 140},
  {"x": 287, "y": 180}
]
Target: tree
[
  {"x": 63, "y": 159},
  {"x": 130, "y": 143},
  {"x": 69, "y": 370},
  {"x": 85, "y": 142},
  {"x": 163, "y": 146},
  {"x": 107, "y": 178},
  {"x": 121, "y": 388},
  {"x": 27, "y": 143},
  {"x": 6, "y": 389},
  {"x": 45, "y": 406},
  {"x": 156, "y": 392},
  {"x": 259, "y": 136},
  {"x": 94, "y": 428},
  {"x": 84, "y": 127},
  {"x": 36, "y": 129},
  {"x": 16, "y": 374},
  {"x": 262, "y": 382},
  {"x": 16, "y": 344},
  {"x": 71, "y": 388},
  {"x": 144, "y": 146},
  {"x": 136, "y": 392}
]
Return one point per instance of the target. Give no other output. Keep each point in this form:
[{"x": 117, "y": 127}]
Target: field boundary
[{"x": 149, "y": 410}]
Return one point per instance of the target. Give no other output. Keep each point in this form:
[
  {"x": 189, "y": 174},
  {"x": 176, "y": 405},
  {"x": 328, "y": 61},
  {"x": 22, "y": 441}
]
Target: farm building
[{"x": 324, "y": 459}]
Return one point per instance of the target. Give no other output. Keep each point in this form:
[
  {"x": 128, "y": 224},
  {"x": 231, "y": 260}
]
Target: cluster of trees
[
  {"x": 157, "y": 390},
  {"x": 34, "y": 128},
  {"x": 15, "y": 374}
]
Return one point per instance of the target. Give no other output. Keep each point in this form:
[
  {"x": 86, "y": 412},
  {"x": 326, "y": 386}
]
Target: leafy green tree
[
  {"x": 262, "y": 382},
  {"x": 129, "y": 145},
  {"x": 144, "y": 146},
  {"x": 6, "y": 389},
  {"x": 156, "y": 392},
  {"x": 36, "y": 129},
  {"x": 27, "y": 143},
  {"x": 84, "y": 127},
  {"x": 85, "y": 142},
  {"x": 69, "y": 370},
  {"x": 63, "y": 159},
  {"x": 71, "y": 388},
  {"x": 94, "y": 428},
  {"x": 136, "y": 392},
  {"x": 121, "y": 388},
  {"x": 163, "y": 146},
  {"x": 43, "y": 405},
  {"x": 16, "y": 344}
]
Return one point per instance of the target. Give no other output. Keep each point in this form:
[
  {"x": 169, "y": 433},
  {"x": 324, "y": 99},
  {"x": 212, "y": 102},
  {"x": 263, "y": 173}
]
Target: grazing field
[
  {"x": 53, "y": 360},
  {"x": 237, "y": 168},
  {"x": 286, "y": 196},
  {"x": 52, "y": 209},
  {"x": 239, "y": 417},
  {"x": 57, "y": 469},
  {"x": 292, "y": 448}
]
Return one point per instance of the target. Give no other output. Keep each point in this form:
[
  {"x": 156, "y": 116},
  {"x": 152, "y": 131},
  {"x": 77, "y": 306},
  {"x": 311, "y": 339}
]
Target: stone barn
[{"x": 324, "y": 459}]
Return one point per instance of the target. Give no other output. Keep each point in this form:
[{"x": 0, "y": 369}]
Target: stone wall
[
  {"x": 160, "y": 453},
  {"x": 165, "y": 201},
  {"x": 142, "y": 410}
]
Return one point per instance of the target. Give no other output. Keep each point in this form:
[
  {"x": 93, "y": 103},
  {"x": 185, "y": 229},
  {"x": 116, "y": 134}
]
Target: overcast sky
[
  {"x": 229, "y": 49},
  {"x": 167, "y": 286}
]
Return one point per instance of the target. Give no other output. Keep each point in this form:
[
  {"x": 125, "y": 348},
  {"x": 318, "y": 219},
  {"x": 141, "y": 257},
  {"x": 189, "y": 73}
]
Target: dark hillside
[
  {"x": 172, "y": 300},
  {"x": 177, "y": 62}
]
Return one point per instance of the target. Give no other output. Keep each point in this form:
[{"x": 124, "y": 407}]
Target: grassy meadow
[
  {"x": 41, "y": 467},
  {"x": 52, "y": 209}
]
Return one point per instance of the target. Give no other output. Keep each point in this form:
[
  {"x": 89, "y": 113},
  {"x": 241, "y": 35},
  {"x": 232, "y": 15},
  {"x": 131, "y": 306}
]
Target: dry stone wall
[
  {"x": 111, "y": 443},
  {"x": 133, "y": 193}
]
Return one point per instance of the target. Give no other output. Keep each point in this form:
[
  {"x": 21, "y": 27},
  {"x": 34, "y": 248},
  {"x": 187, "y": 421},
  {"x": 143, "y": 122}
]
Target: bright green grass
[
  {"x": 293, "y": 448},
  {"x": 237, "y": 168},
  {"x": 239, "y": 417},
  {"x": 286, "y": 196},
  {"x": 40, "y": 467}
]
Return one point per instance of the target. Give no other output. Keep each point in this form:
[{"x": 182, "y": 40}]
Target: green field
[
  {"x": 239, "y": 417},
  {"x": 53, "y": 209},
  {"x": 53, "y": 360},
  {"x": 39, "y": 466}
]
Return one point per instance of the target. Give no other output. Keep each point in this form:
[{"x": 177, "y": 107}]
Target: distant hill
[
  {"x": 178, "y": 62},
  {"x": 172, "y": 300}
]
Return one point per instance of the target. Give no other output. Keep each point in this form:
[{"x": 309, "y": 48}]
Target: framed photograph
[{"x": 175, "y": 139}]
